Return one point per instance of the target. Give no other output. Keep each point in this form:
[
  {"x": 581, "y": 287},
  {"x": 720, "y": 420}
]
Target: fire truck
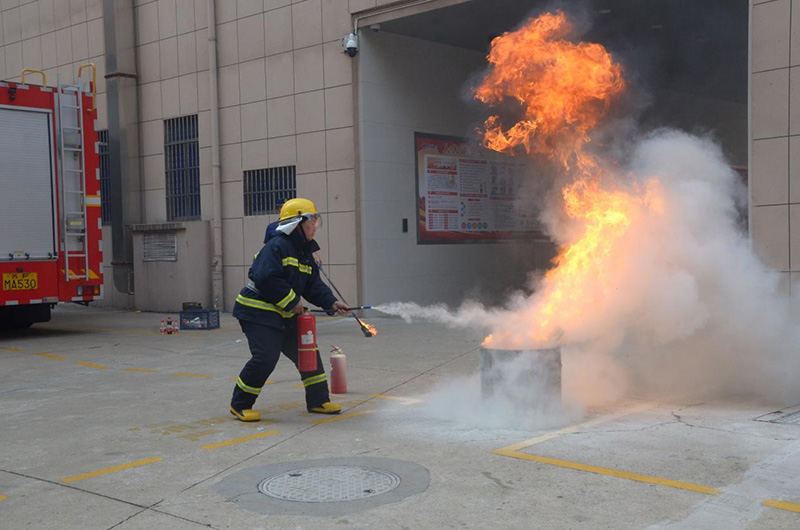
[{"x": 50, "y": 226}]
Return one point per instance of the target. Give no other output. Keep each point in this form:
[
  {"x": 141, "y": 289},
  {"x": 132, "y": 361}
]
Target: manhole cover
[
  {"x": 324, "y": 487},
  {"x": 329, "y": 484}
]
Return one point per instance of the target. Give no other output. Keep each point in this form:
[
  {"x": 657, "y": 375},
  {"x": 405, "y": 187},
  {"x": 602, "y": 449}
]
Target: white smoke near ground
[
  {"x": 519, "y": 397},
  {"x": 687, "y": 310}
]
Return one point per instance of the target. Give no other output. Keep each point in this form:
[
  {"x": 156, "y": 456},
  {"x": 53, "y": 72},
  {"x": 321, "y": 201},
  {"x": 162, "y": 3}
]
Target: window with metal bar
[
  {"x": 105, "y": 177},
  {"x": 265, "y": 190},
  {"x": 182, "y": 168}
]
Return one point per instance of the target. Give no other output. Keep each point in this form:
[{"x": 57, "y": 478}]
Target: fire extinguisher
[
  {"x": 338, "y": 371},
  {"x": 307, "y": 343}
]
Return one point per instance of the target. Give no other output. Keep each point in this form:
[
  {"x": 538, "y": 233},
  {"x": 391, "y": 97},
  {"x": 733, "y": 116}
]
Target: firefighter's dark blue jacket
[
  {"x": 282, "y": 272},
  {"x": 271, "y": 231}
]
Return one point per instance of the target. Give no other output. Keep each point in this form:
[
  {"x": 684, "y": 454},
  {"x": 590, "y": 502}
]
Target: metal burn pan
[{"x": 504, "y": 369}]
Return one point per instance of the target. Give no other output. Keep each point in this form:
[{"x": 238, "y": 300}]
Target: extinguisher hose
[
  {"x": 331, "y": 312},
  {"x": 364, "y": 329}
]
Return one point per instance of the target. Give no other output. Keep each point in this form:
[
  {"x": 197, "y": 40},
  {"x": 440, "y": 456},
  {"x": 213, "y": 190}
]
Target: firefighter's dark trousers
[{"x": 266, "y": 344}]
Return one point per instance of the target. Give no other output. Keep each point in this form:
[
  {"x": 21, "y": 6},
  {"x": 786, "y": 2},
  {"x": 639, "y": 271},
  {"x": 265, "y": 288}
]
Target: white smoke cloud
[
  {"x": 687, "y": 309},
  {"x": 519, "y": 396},
  {"x": 705, "y": 316}
]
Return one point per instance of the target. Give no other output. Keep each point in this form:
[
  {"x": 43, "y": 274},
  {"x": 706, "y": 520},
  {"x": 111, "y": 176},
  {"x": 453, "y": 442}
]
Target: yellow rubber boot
[
  {"x": 246, "y": 415},
  {"x": 326, "y": 408}
]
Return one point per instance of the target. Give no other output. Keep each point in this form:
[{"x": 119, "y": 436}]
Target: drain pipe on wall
[
  {"x": 119, "y": 36},
  {"x": 217, "y": 293}
]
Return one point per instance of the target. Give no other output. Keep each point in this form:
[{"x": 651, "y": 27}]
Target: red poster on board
[{"x": 468, "y": 194}]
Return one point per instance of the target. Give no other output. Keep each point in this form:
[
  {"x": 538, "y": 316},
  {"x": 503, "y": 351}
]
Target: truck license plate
[{"x": 20, "y": 281}]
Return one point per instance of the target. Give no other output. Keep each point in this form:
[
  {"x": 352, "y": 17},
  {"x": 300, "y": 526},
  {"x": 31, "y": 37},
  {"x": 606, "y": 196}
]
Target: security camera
[
  {"x": 375, "y": 28},
  {"x": 350, "y": 43}
]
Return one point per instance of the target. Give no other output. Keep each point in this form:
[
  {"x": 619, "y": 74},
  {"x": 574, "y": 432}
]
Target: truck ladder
[{"x": 70, "y": 141}]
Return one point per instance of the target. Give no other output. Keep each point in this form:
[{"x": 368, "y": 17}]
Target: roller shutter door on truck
[{"x": 27, "y": 201}]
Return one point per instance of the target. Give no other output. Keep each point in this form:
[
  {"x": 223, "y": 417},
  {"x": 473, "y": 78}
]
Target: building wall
[
  {"x": 285, "y": 98},
  {"x": 55, "y": 36},
  {"x": 408, "y": 85},
  {"x": 285, "y": 95},
  {"x": 775, "y": 140}
]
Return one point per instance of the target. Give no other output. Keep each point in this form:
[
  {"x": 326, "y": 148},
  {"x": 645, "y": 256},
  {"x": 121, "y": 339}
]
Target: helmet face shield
[{"x": 314, "y": 218}]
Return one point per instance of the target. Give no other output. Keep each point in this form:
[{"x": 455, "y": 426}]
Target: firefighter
[{"x": 283, "y": 271}]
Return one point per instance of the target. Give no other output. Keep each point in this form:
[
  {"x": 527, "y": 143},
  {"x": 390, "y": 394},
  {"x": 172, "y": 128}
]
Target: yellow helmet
[{"x": 296, "y": 207}]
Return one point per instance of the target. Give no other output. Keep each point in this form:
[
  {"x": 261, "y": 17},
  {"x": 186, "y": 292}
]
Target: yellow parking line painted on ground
[
  {"x": 51, "y": 356},
  {"x": 403, "y": 400},
  {"x": 342, "y": 417},
  {"x": 782, "y": 505},
  {"x": 107, "y": 470},
  {"x": 235, "y": 441},
  {"x": 184, "y": 374},
  {"x": 610, "y": 472},
  {"x": 513, "y": 451},
  {"x": 147, "y": 370},
  {"x": 92, "y": 365},
  {"x": 10, "y": 348}
]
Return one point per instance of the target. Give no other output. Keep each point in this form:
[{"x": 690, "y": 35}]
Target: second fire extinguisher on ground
[{"x": 338, "y": 371}]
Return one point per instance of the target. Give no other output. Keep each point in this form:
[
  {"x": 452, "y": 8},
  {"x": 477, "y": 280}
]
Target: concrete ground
[{"x": 106, "y": 423}]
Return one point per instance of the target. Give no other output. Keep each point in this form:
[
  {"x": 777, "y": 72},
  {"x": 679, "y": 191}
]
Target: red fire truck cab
[{"x": 50, "y": 235}]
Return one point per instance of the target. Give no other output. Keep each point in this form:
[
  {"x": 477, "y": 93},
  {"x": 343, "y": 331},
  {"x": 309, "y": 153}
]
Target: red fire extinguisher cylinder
[
  {"x": 338, "y": 371},
  {"x": 307, "y": 343}
]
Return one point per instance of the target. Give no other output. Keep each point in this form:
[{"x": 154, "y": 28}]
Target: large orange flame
[
  {"x": 589, "y": 264},
  {"x": 564, "y": 90}
]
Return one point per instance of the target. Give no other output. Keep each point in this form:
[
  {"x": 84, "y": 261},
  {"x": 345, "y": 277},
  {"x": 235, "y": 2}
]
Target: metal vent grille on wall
[
  {"x": 160, "y": 246},
  {"x": 265, "y": 190}
]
